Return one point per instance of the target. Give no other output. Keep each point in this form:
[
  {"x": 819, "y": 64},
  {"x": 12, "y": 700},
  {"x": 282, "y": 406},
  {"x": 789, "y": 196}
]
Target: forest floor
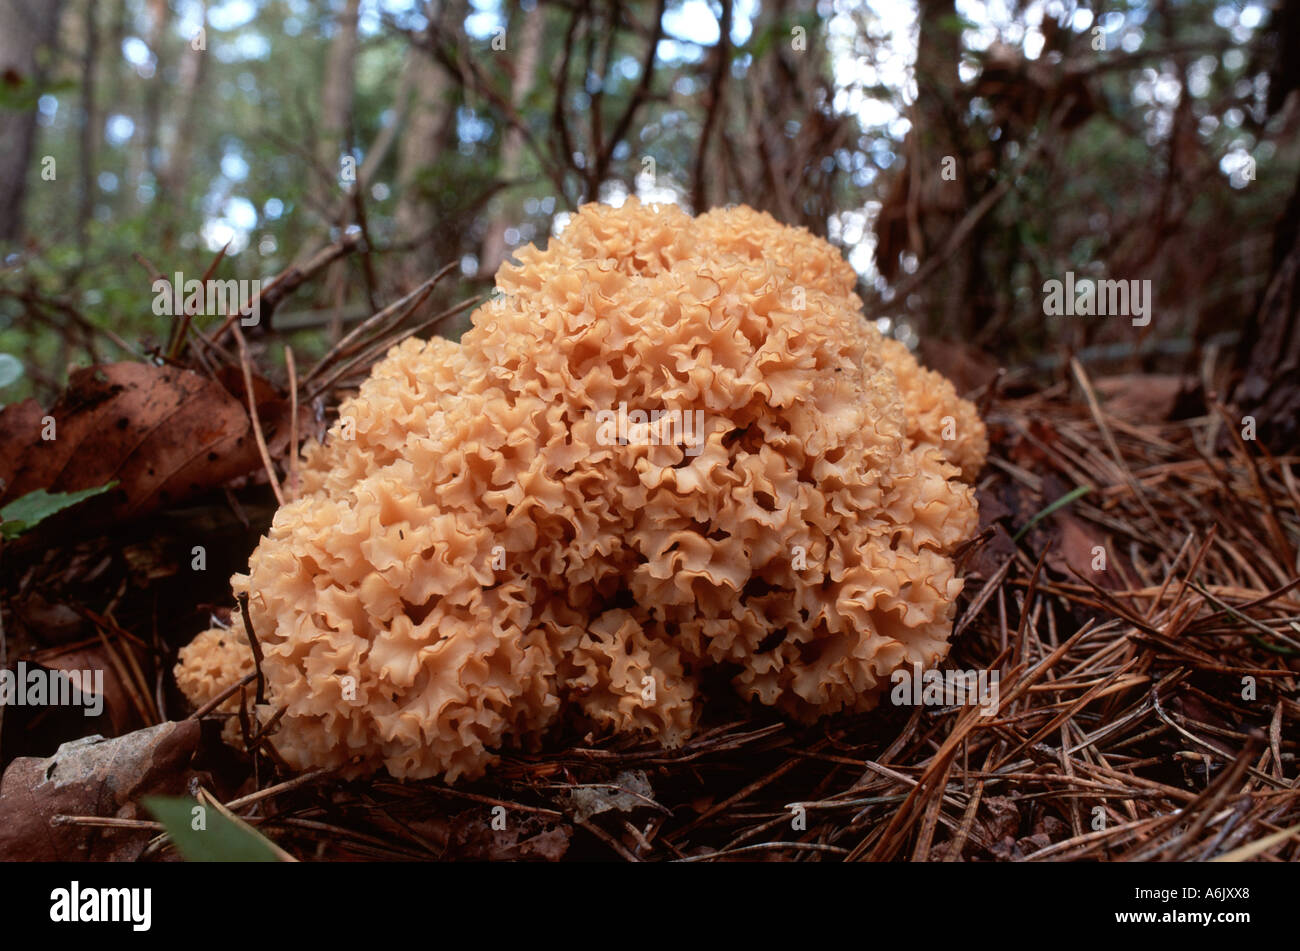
[{"x": 1133, "y": 587}]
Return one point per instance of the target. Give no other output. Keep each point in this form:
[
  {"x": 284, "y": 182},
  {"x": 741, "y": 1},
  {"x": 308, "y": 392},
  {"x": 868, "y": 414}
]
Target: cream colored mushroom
[{"x": 482, "y": 560}]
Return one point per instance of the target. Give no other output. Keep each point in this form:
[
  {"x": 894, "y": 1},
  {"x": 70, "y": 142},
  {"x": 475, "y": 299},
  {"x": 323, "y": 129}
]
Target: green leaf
[
  {"x": 222, "y": 840},
  {"x": 33, "y": 508}
]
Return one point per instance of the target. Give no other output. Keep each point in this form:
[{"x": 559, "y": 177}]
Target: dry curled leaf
[
  {"x": 91, "y": 777},
  {"x": 162, "y": 433},
  {"x": 630, "y": 790}
]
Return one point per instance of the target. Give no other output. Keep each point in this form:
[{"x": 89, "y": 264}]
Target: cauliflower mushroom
[{"x": 477, "y": 554}]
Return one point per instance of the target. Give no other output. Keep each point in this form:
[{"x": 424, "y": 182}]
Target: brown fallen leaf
[
  {"x": 273, "y": 409},
  {"x": 1074, "y": 554},
  {"x": 117, "y": 705},
  {"x": 629, "y": 791},
  {"x": 57, "y": 622},
  {"x": 162, "y": 433},
  {"x": 1142, "y": 397},
  {"x": 16, "y": 418},
  {"x": 105, "y": 708},
  {"x": 92, "y": 777}
]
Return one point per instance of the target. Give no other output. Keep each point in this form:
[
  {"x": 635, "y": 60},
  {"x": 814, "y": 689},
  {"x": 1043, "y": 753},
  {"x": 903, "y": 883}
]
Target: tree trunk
[
  {"x": 506, "y": 208},
  {"x": 1269, "y": 352},
  {"x": 142, "y": 159},
  {"x": 756, "y": 158},
  {"x": 90, "y": 123},
  {"x": 26, "y": 29},
  {"x": 1270, "y": 346},
  {"x": 334, "y": 144},
  {"x": 179, "y": 134},
  {"x": 429, "y": 128},
  {"x": 336, "y": 102},
  {"x": 937, "y": 203},
  {"x": 720, "y": 69}
]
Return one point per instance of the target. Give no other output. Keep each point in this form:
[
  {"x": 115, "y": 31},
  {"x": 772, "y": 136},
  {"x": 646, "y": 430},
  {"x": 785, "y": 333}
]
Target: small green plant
[{"x": 26, "y": 513}]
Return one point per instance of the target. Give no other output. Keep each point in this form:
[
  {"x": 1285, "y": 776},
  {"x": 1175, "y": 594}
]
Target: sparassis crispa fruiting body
[{"x": 482, "y": 560}]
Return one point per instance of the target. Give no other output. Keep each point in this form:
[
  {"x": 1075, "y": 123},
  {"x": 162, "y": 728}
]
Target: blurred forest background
[
  {"x": 960, "y": 152},
  {"x": 372, "y": 162}
]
